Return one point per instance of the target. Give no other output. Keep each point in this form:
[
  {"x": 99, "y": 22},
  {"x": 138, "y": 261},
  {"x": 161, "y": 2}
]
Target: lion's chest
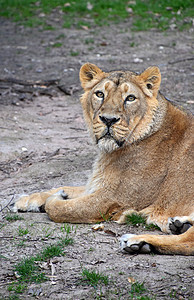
[{"x": 129, "y": 178}]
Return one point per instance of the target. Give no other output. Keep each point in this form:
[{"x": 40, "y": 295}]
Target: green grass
[
  {"x": 18, "y": 289},
  {"x": 89, "y": 41},
  {"x": 13, "y": 217},
  {"x": 22, "y": 231},
  {"x": 57, "y": 45},
  {"x": 28, "y": 270},
  {"x": 48, "y": 232},
  {"x": 158, "y": 14},
  {"x": 137, "y": 289},
  {"x": 94, "y": 278},
  {"x": 21, "y": 244},
  {"x": 145, "y": 14},
  {"x": 60, "y": 36},
  {"x": 74, "y": 53},
  {"x": 136, "y": 220}
]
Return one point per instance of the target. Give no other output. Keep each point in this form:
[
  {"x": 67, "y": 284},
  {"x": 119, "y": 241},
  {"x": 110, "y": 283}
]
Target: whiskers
[{"x": 109, "y": 139}]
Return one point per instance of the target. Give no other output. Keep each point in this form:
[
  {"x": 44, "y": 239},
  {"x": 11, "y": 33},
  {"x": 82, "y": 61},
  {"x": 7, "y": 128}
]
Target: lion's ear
[
  {"x": 89, "y": 75},
  {"x": 151, "y": 79}
]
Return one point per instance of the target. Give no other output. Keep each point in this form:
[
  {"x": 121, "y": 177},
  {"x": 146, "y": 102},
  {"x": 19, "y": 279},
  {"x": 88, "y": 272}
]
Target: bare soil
[{"x": 44, "y": 144}]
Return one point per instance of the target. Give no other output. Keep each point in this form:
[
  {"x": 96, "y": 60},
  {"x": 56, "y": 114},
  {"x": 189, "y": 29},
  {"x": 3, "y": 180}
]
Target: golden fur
[{"x": 144, "y": 163}]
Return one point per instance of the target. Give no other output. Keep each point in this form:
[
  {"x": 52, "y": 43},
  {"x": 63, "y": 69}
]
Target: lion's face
[
  {"x": 115, "y": 104},
  {"x": 117, "y": 107}
]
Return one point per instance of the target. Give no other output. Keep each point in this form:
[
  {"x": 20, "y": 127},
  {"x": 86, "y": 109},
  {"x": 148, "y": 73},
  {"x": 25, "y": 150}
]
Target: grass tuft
[
  {"x": 28, "y": 271},
  {"x": 93, "y": 278},
  {"x": 74, "y": 53},
  {"x": 136, "y": 220},
  {"x": 137, "y": 289},
  {"x": 51, "y": 251},
  {"x": 13, "y": 217},
  {"x": 18, "y": 289},
  {"x": 22, "y": 231},
  {"x": 57, "y": 45}
]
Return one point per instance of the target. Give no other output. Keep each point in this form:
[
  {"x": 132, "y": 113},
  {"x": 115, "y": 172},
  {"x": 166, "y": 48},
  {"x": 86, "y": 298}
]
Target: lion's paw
[
  {"x": 131, "y": 244},
  {"x": 178, "y": 225},
  {"x": 23, "y": 204},
  {"x": 36, "y": 202}
]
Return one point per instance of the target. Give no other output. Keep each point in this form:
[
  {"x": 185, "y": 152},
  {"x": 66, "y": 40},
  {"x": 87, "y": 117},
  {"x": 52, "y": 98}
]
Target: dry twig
[
  {"x": 180, "y": 60},
  {"x": 30, "y": 82},
  {"x": 6, "y": 206}
]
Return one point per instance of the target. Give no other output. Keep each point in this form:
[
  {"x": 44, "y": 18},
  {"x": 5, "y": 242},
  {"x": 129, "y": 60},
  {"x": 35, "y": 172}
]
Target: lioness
[{"x": 144, "y": 163}]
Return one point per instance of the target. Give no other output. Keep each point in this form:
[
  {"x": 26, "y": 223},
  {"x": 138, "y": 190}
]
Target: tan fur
[{"x": 144, "y": 163}]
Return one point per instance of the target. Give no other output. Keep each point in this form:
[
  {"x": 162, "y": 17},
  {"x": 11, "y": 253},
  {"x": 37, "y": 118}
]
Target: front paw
[
  {"x": 131, "y": 244},
  {"x": 20, "y": 205},
  {"x": 30, "y": 203}
]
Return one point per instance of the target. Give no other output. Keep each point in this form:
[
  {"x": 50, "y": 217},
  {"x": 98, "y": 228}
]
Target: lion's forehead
[{"x": 124, "y": 87}]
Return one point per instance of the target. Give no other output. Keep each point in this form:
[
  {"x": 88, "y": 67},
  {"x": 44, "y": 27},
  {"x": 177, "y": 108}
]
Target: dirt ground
[{"x": 44, "y": 144}]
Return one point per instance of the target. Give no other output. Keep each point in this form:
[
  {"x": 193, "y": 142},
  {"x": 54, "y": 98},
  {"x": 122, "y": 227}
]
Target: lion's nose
[{"x": 109, "y": 121}]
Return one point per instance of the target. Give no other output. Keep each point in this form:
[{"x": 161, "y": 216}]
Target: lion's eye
[
  {"x": 130, "y": 98},
  {"x": 99, "y": 94}
]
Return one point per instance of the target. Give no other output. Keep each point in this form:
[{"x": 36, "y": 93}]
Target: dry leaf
[
  {"x": 131, "y": 280},
  {"x": 103, "y": 44},
  {"x": 67, "y": 5},
  {"x": 85, "y": 27},
  {"x": 97, "y": 227},
  {"x": 110, "y": 232}
]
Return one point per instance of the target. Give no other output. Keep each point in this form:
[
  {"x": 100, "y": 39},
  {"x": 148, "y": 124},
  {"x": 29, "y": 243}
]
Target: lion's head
[{"x": 120, "y": 107}]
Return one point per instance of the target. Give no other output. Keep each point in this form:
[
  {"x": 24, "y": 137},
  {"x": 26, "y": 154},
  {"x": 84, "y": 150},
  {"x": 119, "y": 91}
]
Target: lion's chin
[{"x": 107, "y": 144}]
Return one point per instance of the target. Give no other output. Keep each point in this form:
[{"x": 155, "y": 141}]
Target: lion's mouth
[{"x": 108, "y": 136}]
